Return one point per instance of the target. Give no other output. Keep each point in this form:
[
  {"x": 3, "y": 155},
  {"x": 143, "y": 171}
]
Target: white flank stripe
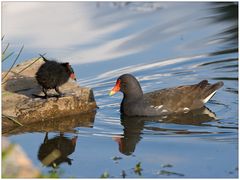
[{"x": 209, "y": 97}]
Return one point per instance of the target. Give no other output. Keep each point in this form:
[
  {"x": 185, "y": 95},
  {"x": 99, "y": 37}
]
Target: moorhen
[
  {"x": 179, "y": 99},
  {"x": 53, "y": 74}
]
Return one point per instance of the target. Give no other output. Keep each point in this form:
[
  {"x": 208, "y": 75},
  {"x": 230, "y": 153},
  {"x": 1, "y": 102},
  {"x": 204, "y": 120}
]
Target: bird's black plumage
[
  {"x": 164, "y": 101},
  {"x": 59, "y": 144},
  {"x": 53, "y": 74}
]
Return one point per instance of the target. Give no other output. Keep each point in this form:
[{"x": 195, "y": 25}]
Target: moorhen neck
[
  {"x": 53, "y": 74},
  {"x": 162, "y": 102}
]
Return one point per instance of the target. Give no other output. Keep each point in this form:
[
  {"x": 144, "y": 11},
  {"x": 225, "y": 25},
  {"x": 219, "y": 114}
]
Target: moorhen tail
[
  {"x": 53, "y": 74},
  {"x": 162, "y": 102}
]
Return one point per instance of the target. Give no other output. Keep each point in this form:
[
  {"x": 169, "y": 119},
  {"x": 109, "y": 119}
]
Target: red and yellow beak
[
  {"x": 120, "y": 142},
  {"x": 72, "y": 76},
  {"x": 115, "y": 89}
]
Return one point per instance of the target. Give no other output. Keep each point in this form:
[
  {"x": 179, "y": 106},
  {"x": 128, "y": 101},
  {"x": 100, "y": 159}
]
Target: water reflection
[
  {"x": 227, "y": 11},
  {"x": 131, "y": 134},
  {"x": 55, "y": 151},
  {"x": 108, "y": 32},
  {"x": 62, "y": 124},
  {"x": 133, "y": 127}
]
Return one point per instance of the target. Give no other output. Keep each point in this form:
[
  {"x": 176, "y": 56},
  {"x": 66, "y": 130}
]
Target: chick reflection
[
  {"x": 133, "y": 126},
  {"x": 55, "y": 151}
]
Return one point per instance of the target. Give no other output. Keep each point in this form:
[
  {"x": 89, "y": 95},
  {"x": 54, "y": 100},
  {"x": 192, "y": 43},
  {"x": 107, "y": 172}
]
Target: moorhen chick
[
  {"x": 179, "y": 99},
  {"x": 53, "y": 74}
]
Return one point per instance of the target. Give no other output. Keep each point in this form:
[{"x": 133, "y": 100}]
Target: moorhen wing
[{"x": 162, "y": 102}]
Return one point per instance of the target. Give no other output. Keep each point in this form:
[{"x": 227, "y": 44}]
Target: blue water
[{"x": 164, "y": 44}]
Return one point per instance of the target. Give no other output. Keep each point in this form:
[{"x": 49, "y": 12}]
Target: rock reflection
[
  {"x": 62, "y": 124},
  {"x": 133, "y": 127},
  {"x": 55, "y": 151}
]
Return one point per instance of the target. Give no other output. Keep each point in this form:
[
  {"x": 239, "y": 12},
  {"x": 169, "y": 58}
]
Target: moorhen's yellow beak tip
[
  {"x": 111, "y": 93},
  {"x": 115, "y": 89}
]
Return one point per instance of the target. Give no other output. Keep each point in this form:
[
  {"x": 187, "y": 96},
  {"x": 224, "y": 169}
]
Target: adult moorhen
[
  {"x": 53, "y": 74},
  {"x": 162, "y": 102}
]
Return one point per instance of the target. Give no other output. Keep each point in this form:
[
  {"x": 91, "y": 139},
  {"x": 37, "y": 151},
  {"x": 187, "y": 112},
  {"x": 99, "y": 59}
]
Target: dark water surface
[{"x": 164, "y": 45}]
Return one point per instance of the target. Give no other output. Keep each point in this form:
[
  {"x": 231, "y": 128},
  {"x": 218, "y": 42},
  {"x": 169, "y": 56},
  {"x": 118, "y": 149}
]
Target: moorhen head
[
  {"x": 162, "y": 102},
  {"x": 53, "y": 74}
]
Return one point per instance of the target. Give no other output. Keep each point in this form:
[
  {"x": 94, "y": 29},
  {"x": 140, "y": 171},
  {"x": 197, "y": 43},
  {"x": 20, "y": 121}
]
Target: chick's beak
[
  {"x": 115, "y": 89},
  {"x": 72, "y": 76}
]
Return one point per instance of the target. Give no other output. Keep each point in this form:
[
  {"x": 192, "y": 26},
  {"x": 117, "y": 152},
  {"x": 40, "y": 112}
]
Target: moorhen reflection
[
  {"x": 131, "y": 134},
  {"x": 55, "y": 151},
  {"x": 133, "y": 126}
]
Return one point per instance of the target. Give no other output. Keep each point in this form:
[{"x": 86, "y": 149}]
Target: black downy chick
[{"x": 53, "y": 74}]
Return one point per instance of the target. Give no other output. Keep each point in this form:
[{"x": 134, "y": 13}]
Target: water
[{"x": 164, "y": 44}]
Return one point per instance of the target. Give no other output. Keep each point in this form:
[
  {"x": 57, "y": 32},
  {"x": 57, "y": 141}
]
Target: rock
[
  {"x": 15, "y": 163},
  {"x": 18, "y": 102}
]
